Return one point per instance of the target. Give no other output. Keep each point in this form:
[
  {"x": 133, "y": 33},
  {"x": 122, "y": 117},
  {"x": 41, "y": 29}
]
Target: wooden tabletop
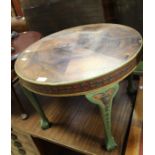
[{"x": 79, "y": 55}]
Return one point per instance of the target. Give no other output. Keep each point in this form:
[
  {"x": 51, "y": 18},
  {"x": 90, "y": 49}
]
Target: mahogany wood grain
[
  {"x": 77, "y": 123},
  {"x": 17, "y": 7},
  {"x": 88, "y": 57},
  {"x": 24, "y": 40}
]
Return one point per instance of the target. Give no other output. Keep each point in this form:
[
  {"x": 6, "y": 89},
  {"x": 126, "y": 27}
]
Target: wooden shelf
[
  {"x": 77, "y": 124},
  {"x": 135, "y": 140}
]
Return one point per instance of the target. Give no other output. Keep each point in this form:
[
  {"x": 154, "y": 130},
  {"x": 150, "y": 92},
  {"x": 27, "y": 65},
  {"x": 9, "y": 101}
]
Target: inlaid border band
[{"x": 82, "y": 87}]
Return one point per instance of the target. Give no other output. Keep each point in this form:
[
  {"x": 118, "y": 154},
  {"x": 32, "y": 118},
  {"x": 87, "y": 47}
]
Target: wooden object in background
[
  {"x": 22, "y": 144},
  {"x": 18, "y": 24},
  {"x": 77, "y": 124},
  {"x": 78, "y": 61},
  {"x": 128, "y": 13},
  {"x": 13, "y": 14},
  {"x": 135, "y": 140},
  {"x": 17, "y": 8},
  {"x": 48, "y": 16},
  {"x": 108, "y": 8},
  {"x": 20, "y": 43}
]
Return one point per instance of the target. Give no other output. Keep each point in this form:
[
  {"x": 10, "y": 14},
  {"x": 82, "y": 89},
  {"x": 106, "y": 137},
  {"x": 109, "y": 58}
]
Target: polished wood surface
[
  {"x": 25, "y": 39},
  {"x": 77, "y": 124},
  {"x": 135, "y": 140},
  {"x": 80, "y": 54},
  {"x": 17, "y": 7},
  {"x": 19, "y": 24}
]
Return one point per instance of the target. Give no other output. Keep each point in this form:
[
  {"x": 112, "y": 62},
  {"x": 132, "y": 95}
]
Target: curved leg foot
[
  {"x": 110, "y": 144},
  {"x": 44, "y": 123},
  {"x": 103, "y": 98}
]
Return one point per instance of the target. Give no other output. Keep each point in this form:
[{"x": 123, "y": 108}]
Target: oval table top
[{"x": 78, "y": 57}]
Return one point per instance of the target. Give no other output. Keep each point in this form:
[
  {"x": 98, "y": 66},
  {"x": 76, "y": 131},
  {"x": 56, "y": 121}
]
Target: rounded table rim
[{"x": 76, "y": 82}]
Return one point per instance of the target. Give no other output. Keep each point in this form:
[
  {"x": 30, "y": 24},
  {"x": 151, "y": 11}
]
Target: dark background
[{"x": 48, "y": 16}]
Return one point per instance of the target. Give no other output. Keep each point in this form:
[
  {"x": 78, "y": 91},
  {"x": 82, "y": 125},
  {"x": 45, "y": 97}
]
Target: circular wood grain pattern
[{"x": 79, "y": 55}]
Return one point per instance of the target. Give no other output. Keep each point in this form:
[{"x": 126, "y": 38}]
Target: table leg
[
  {"x": 45, "y": 124},
  {"x": 24, "y": 114},
  {"x": 103, "y": 98}
]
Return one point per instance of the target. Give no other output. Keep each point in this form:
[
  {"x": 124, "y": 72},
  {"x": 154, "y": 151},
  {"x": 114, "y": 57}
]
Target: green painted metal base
[
  {"x": 131, "y": 89},
  {"x": 103, "y": 99},
  {"x": 44, "y": 123},
  {"x": 110, "y": 144},
  {"x": 139, "y": 69}
]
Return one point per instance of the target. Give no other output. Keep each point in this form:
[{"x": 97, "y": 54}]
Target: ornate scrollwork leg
[
  {"x": 103, "y": 98},
  {"x": 45, "y": 124}
]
